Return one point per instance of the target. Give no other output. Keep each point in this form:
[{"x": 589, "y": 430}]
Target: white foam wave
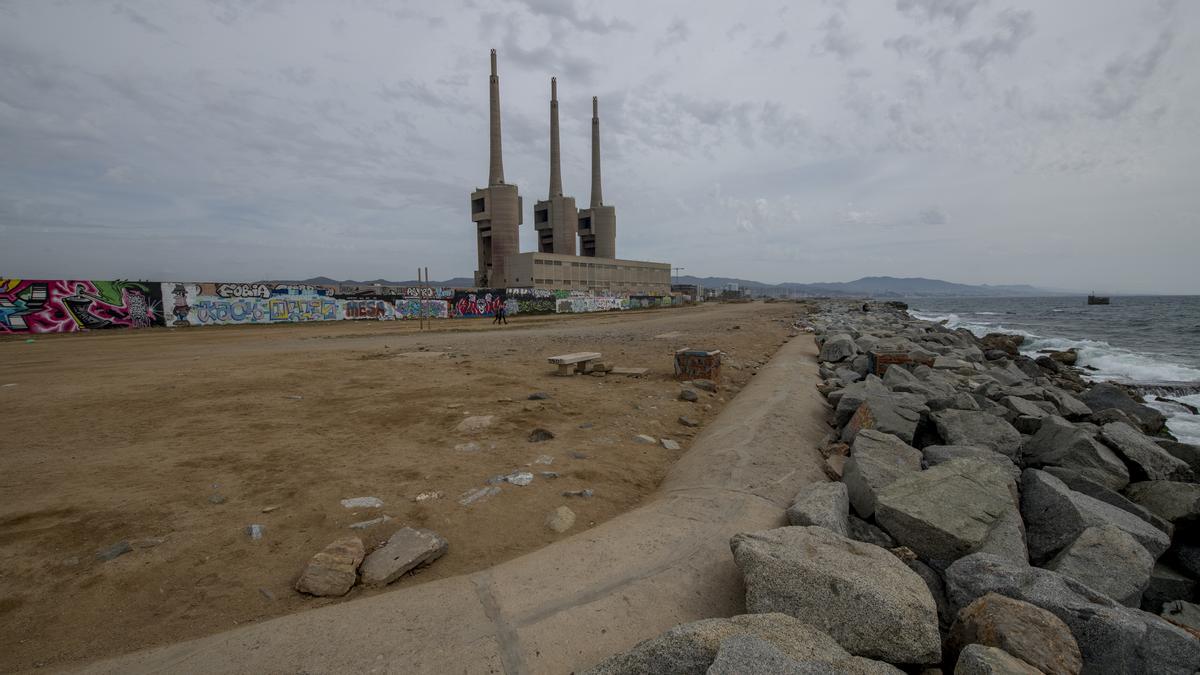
[
  {"x": 1183, "y": 425},
  {"x": 989, "y": 313}
]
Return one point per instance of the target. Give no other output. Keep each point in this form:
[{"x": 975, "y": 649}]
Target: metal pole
[
  {"x": 420, "y": 316},
  {"x": 425, "y": 299}
]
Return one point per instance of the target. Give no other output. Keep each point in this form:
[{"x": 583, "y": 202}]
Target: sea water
[{"x": 1152, "y": 342}]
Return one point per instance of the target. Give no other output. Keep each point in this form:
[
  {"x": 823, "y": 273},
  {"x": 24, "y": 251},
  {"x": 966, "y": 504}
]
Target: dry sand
[{"x": 134, "y": 435}]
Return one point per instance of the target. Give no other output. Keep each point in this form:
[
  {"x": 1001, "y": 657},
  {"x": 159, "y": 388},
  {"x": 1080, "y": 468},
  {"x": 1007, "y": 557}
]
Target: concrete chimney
[
  {"x": 597, "y": 195},
  {"x": 555, "y": 159},
  {"x": 496, "y": 167}
]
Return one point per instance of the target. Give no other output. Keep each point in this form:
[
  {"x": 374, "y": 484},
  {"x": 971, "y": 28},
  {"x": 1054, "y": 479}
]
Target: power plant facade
[{"x": 576, "y": 250}]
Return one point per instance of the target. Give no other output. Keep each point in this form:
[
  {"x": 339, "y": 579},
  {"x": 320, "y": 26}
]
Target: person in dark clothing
[{"x": 501, "y": 315}]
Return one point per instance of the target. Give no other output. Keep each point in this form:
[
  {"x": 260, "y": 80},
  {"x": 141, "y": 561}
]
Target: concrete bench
[{"x": 579, "y": 359}]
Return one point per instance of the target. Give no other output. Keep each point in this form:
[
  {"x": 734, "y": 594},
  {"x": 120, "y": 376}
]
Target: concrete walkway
[{"x": 566, "y": 606}]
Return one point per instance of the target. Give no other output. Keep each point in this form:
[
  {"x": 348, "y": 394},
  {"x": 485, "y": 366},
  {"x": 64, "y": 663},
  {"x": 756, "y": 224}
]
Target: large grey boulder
[
  {"x": 823, "y": 505},
  {"x": 1185, "y": 451},
  {"x": 861, "y": 530},
  {"x": 1068, "y": 406},
  {"x": 837, "y": 348},
  {"x": 861, "y": 595},
  {"x": 1171, "y": 500},
  {"x": 980, "y": 660},
  {"x": 1095, "y": 490},
  {"x": 1056, "y": 515},
  {"x": 1108, "y": 560},
  {"x": 1148, "y": 460},
  {"x": 691, "y": 648},
  {"x": 940, "y": 454},
  {"x": 333, "y": 570},
  {"x": 1029, "y": 633},
  {"x": 1182, "y": 613},
  {"x": 890, "y": 414},
  {"x": 748, "y": 654},
  {"x": 1023, "y": 407},
  {"x": 953, "y": 509},
  {"x": 1167, "y": 584},
  {"x": 1103, "y": 396},
  {"x": 853, "y": 395},
  {"x": 1061, "y": 443},
  {"x": 876, "y": 459},
  {"x": 1112, "y": 638},
  {"x": 966, "y": 427}
]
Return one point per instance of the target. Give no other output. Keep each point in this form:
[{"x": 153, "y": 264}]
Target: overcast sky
[{"x": 979, "y": 141}]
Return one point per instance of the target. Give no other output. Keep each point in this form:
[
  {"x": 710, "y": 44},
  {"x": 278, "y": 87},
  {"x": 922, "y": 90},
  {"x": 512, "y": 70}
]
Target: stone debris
[
  {"x": 539, "y": 396},
  {"x": 255, "y": 531},
  {"x": 561, "y": 519},
  {"x": 429, "y": 495},
  {"x": 363, "y": 503},
  {"x": 115, "y": 551},
  {"x": 688, "y": 395},
  {"x": 540, "y": 435},
  {"x": 645, "y": 440},
  {"x": 407, "y": 549},
  {"x": 333, "y": 570},
  {"x": 216, "y": 499},
  {"x": 688, "y": 422},
  {"x": 548, "y": 474},
  {"x": 475, "y": 424},
  {"x": 269, "y": 509},
  {"x": 823, "y": 505},
  {"x": 482, "y": 494},
  {"x": 544, "y": 459},
  {"x": 669, "y": 444},
  {"x": 585, "y": 494},
  {"x": 366, "y": 524}
]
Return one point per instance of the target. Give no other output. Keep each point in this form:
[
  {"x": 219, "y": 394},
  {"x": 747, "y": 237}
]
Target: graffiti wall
[{"x": 65, "y": 306}]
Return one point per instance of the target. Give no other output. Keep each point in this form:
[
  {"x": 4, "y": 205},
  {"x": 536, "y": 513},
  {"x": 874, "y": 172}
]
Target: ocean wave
[
  {"x": 1115, "y": 363},
  {"x": 1184, "y": 426}
]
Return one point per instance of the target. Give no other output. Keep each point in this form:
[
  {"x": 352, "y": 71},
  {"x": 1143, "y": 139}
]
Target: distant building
[{"x": 496, "y": 211}]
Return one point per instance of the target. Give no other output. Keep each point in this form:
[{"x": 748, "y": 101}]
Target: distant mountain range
[{"x": 874, "y": 287}]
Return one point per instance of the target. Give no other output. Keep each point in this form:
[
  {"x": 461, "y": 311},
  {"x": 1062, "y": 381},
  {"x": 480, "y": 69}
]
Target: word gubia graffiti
[
  {"x": 63, "y": 305},
  {"x": 68, "y": 305}
]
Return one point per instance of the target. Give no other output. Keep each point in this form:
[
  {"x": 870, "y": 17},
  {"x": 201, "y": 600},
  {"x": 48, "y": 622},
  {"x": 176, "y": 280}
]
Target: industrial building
[{"x": 576, "y": 250}]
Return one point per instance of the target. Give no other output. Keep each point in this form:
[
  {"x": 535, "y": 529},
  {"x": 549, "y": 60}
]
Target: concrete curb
[{"x": 566, "y": 606}]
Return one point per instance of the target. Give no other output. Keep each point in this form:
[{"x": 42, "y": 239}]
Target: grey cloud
[
  {"x": 568, "y": 12},
  {"x": 1123, "y": 81},
  {"x": 933, "y": 216},
  {"x": 956, "y": 11},
  {"x": 779, "y": 40},
  {"x": 836, "y": 38},
  {"x": 677, "y": 32},
  {"x": 904, "y": 45},
  {"x": 1013, "y": 28},
  {"x": 121, "y": 9}
]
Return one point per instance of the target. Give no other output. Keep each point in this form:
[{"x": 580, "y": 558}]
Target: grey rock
[
  {"x": 1055, "y": 515},
  {"x": 1172, "y": 500},
  {"x": 1108, "y": 560},
  {"x": 937, "y": 589},
  {"x": 1060, "y": 443},
  {"x": 861, "y": 530},
  {"x": 688, "y": 422},
  {"x": 862, "y": 595},
  {"x": 940, "y": 454},
  {"x": 1095, "y": 490},
  {"x": 688, "y": 395},
  {"x": 1185, "y": 451},
  {"x": 1029, "y": 633},
  {"x": 561, "y": 519},
  {"x": 1102, "y": 396},
  {"x": 823, "y": 505},
  {"x": 980, "y": 660},
  {"x": 1027, "y": 425},
  {"x": 1148, "y": 460},
  {"x": 959, "y": 401},
  {"x": 1112, "y": 638},
  {"x": 1166, "y": 585},
  {"x": 115, "y": 551},
  {"x": 1068, "y": 406},
  {"x": 742, "y": 654},
  {"x": 539, "y": 396},
  {"x": 853, "y": 395},
  {"x": 706, "y": 385},
  {"x": 1022, "y": 407},
  {"x": 890, "y": 414},
  {"x": 837, "y": 348},
  {"x": 952, "y": 510},
  {"x": 847, "y": 375},
  {"x": 1187, "y": 555},
  {"x": 964, "y": 427},
  {"x": 407, "y": 549},
  {"x": 691, "y": 648},
  {"x": 876, "y": 459}
]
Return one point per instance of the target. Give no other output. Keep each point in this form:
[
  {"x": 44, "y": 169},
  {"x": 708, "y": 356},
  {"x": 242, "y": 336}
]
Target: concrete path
[{"x": 566, "y": 606}]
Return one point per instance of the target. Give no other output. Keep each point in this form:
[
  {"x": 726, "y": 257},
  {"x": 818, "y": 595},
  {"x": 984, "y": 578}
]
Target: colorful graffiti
[
  {"x": 587, "y": 303},
  {"x": 57, "y": 305},
  {"x": 416, "y": 308},
  {"x": 63, "y": 305},
  {"x": 483, "y": 302}
]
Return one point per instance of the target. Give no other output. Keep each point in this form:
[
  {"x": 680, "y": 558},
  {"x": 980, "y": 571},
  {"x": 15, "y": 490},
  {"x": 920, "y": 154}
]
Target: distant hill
[
  {"x": 875, "y": 287},
  {"x": 872, "y": 287}
]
